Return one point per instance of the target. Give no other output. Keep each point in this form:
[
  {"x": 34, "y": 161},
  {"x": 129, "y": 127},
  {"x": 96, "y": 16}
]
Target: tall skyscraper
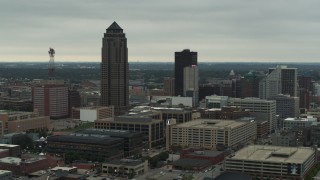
[
  {"x": 114, "y": 69},
  {"x": 305, "y": 90},
  {"x": 280, "y": 80},
  {"x": 183, "y": 59},
  {"x": 191, "y": 83},
  {"x": 168, "y": 86}
]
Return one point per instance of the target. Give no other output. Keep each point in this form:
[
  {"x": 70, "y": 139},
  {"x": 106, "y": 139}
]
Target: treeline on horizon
[{"x": 77, "y": 72}]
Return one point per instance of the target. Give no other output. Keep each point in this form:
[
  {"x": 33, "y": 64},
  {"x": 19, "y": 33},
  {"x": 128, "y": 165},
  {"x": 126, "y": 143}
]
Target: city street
[{"x": 165, "y": 173}]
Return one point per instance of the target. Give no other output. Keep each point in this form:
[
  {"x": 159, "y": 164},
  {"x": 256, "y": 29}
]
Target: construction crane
[{"x": 51, "y": 64}]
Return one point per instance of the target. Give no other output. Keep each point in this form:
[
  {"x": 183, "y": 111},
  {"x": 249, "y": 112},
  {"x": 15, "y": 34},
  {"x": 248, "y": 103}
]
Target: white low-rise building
[{"x": 92, "y": 113}]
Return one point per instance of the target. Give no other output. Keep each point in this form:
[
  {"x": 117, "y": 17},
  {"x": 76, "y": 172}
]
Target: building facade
[
  {"x": 114, "y": 71},
  {"x": 92, "y": 113},
  {"x": 51, "y": 100},
  {"x": 225, "y": 112},
  {"x": 287, "y": 106},
  {"x": 149, "y": 123},
  {"x": 315, "y": 135},
  {"x": 14, "y": 150},
  {"x": 284, "y": 138},
  {"x": 132, "y": 140},
  {"x": 127, "y": 167},
  {"x": 260, "y": 108},
  {"x": 171, "y": 101},
  {"x": 191, "y": 83},
  {"x": 16, "y": 121},
  {"x": 183, "y": 59},
  {"x": 179, "y": 114},
  {"x": 280, "y": 80},
  {"x": 249, "y": 85},
  {"x": 168, "y": 86},
  {"x": 209, "y": 133},
  {"x": 294, "y": 123},
  {"x": 215, "y": 101},
  {"x": 74, "y": 100},
  {"x": 89, "y": 147},
  {"x": 220, "y": 87}
]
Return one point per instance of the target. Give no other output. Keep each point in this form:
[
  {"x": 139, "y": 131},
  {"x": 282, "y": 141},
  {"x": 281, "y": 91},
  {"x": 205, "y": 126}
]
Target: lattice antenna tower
[{"x": 52, "y": 68}]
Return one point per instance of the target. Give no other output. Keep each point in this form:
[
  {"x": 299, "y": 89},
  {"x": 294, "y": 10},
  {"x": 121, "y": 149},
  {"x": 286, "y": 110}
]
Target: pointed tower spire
[{"x": 114, "y": 28}]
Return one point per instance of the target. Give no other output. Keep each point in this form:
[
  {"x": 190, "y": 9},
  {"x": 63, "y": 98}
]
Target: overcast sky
[{"x": 219, "y": 30}]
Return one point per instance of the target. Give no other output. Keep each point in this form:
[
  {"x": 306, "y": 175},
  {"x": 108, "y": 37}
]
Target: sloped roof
[{"x": 114, "y": 26}]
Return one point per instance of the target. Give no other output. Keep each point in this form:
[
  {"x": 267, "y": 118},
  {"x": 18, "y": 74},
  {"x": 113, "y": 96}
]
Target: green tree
[
  {"x": 163, "y": 156},
  {"x": 24, "y": 141},
  {"x": 43, "y": 133}
]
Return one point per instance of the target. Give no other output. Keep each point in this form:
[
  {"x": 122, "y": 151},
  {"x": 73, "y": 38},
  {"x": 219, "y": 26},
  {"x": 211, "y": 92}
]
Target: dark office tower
[
  {"x": 182, "y": 59},
  {"x": 74, "y": 99},
  {"x": 115, "y": 69},
  {"x": 305, "y": 90},
  {"x": 250, "y": 85},
  {"x": 168, "y": 86},
  {"x": 289, "y": 81}
]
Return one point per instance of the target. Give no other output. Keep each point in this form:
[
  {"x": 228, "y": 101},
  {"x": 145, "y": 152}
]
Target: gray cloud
[{"x": 229, "y": 30}]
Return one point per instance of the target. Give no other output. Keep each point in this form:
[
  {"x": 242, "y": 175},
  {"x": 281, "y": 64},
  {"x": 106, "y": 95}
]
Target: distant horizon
[{"x": 258, "y": 62}]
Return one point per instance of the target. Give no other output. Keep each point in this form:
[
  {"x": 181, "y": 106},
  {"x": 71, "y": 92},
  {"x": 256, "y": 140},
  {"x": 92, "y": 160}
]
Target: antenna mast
[{"x": 52, "y": 68}]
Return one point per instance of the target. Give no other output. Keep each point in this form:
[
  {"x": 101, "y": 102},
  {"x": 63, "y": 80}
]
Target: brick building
[
  {"x": 51, "y": 99},
  {"x": 24, "y": 166},
  {"x": 214, "y": 157}
]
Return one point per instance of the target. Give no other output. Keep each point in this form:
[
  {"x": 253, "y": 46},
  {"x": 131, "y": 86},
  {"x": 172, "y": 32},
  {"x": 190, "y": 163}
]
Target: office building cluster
[{"x": 256, "y": 123}]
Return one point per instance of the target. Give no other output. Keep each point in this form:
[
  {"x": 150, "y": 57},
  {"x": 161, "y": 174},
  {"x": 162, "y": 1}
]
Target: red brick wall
[
  {"x": 4, "y": 153},
  {"x": 214, "y": 160}
]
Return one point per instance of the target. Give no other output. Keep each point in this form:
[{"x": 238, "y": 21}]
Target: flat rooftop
[
  {"x": 85, "y": 139},
  {"x": 125, "y": 162},
  {"x": 211, "y": 124},
  {"x": 8, "y": 145},
  {"x": 109, "y": 132},
  {"x": 93, "y": 108},
  {"x": 311, "y": 119},
  {"x": 192, "y": 162},
  {"x": 63, "y": 168},
  {"x": 4, "y": 171},
  {"x": 274, "y": 154},
  {"x": 11, "y": 160}
]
